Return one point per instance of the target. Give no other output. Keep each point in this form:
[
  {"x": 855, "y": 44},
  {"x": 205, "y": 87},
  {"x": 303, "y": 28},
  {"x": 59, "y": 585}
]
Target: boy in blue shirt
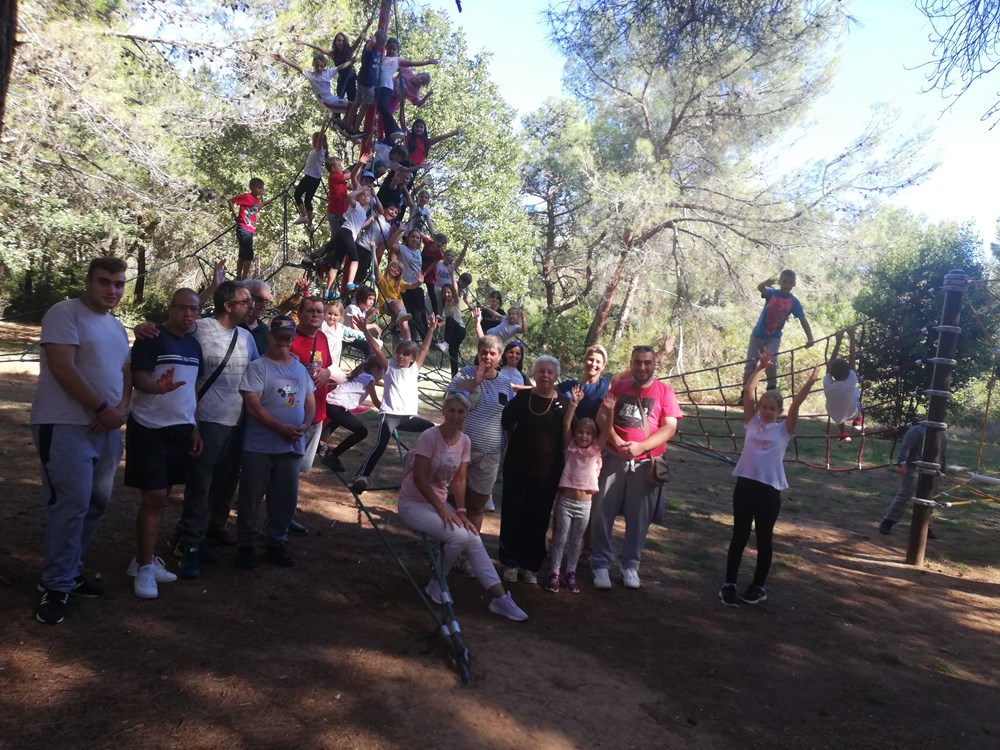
[{"x": 766, "y": 335}]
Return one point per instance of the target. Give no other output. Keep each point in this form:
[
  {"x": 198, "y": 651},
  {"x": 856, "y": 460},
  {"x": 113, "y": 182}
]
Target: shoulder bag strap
[
  {"x": 642, "y": 413},
  {"x": 222, "y": 365}
]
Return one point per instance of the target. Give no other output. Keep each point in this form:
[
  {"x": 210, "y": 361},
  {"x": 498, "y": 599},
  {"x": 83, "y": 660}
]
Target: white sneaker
[
  {"x": 359, "y": 485},
  {"x": 160, "y": 568},
  {"x": 602, "y": 580},
  {"x": 300, "y": 220},
  {"x": 630, "y": 578},
  {"x": 145, "y": 582},
  {"x": 510, "y": 575},
  {"x": 529, "y": 576},
  {"x": 505, "y": 607},
  {"x": 443, "y": 346},
  {"x": 490, "y": 507},
  {"x": 433, "y": 591},
  {"x": 403, "y": 317}
]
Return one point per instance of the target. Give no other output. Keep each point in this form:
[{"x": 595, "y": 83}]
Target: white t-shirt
[
  {"x": 320, "y": 83},
  {"x": 314, "y": 163},
  {"x": 389, "y": 67},
  {"x": 354, "y": 218},
  {"x": 763, "y": 453},
  {"x": 222, "y": 403},
  {"x": 443, "y": 274},
  {"x": 352, "y": 394},
  {"x": 101, "y": 355},
  {"x": 843, "y": 400},
  {"x": 400, "y": 393},
  {"x": 411, "y": 260},
  {"x": 504, "y": 329}
]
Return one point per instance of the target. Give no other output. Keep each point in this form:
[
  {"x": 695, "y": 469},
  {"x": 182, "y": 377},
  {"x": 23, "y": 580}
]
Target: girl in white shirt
[{"x": 760, "y": 475}]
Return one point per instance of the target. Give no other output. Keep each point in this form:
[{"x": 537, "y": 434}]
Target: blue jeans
[
  {"x": 78, "y": 472},
  {"x": 277, "y": 475}
]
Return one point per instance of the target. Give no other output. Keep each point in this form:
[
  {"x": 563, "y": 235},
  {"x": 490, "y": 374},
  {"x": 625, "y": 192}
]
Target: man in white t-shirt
[{"x": 79, "y": 407}]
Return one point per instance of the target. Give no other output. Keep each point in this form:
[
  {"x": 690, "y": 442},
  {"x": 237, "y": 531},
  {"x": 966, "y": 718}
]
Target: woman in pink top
[
  {"x": 584, "y": 441},
  {"x": 439, "y": 461}
]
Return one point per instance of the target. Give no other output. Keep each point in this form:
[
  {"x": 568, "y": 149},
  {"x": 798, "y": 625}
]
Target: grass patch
[{"x": 941, "y": 668}]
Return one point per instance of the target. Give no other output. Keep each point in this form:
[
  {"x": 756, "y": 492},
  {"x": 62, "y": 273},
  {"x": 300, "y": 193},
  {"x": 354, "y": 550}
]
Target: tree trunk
[
  {"x": 633, "y": 285},
  {"x": 601, "y": 315},
  {"x": 8, "y": 43},
  {"x": 140, "y": 281}
]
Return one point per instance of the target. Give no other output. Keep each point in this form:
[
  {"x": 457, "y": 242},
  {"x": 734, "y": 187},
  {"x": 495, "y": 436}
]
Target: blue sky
[{"x": 880, "y": 56}]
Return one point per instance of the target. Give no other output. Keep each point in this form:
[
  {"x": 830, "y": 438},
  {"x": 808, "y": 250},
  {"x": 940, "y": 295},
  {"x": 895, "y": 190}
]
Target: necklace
[{"x": 551, "y": 400}]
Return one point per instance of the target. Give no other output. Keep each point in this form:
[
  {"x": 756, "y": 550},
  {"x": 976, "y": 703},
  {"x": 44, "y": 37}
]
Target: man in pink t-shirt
[{"x": 624, "y": 486}]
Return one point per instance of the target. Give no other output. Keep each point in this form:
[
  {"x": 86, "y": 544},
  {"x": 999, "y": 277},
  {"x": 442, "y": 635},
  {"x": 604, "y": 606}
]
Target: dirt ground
[{"x": 854, "y": 649}]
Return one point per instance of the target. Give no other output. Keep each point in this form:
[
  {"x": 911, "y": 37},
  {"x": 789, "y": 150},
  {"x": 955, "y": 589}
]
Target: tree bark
[
  {"x": 622, "y": 321},
  {"x": 140, "y": 281},
  {"x": 8, "y": 44},
  {"x": 604, "y": 310}
]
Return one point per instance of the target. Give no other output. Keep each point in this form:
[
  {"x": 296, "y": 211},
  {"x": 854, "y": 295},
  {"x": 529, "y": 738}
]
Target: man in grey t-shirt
[{"x": 83, "y": 391}]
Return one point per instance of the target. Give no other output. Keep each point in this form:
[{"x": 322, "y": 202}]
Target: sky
[{"x": 880, "y": 59}]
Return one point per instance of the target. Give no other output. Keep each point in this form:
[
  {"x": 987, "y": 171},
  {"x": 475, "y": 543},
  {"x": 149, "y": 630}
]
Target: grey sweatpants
[
  {"x": 211, "y": 475},
  {"x": 78, "y": 472},
  {"x": 624, "y": 490},
  {"x": 904, "y": 495},
  {"x": 754, "y": 347},
  {"x": 274, "y": 474}
]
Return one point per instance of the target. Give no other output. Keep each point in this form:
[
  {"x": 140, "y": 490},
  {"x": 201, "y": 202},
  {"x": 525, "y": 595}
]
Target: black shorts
[
  {"x": 245, "y": 240},
  {"x": 156, "y": 458}
]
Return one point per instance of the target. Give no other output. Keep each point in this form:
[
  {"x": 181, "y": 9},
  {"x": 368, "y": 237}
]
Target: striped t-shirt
[{"x": 483, "y": 423}]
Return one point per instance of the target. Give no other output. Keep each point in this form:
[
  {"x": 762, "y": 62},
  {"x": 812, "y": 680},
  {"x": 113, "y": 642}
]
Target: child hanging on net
[
  {"x": 392, "y": 286},
  {"x": 320, "y": 79},
  {"x": 400, "y": 397},
  {"x": 840, "y": 386},
  {"x": 760, "y": 477},
  {"x": 368, "y": 79},
  {"x": 584, "y": 440},
  {"x": 390, "y": 63},
  {"x": 244, "y": 209},
  {"x": 341, "y": 403},
  {"x": 342, "y": 54},
  {"x": 778, "y": 305},
  {"x": 312, "y": 176}
]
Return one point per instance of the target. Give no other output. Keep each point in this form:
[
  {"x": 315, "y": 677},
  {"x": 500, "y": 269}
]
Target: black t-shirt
[{"x": 535, "y": 425}]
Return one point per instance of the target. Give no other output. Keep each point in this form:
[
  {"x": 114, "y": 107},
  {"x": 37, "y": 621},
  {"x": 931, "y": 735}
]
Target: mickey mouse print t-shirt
[{"x": 283, "y": 389}]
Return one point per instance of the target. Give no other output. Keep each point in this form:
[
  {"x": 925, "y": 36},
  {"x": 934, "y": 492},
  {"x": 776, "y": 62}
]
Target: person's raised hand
[{"x": 577, "y": 394}]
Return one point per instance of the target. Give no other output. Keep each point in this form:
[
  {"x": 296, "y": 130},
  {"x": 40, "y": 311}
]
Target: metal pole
[{"x": 955, "y": 287}]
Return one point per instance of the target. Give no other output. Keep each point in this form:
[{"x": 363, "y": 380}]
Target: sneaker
[
  {"x": 190, "y": 567},
  {"x": 529, "y": 576},
  {"x": 297, "y": 528},
  {"x": 510, "y": 575},
  {"x": 224, "y": 536},
  {"x": 333, "y": 463},
  {"x": 300, "y": 220},
  {"x": 359, "y": 485},
  {"x": 490, "y": 507},
  {"x": 552, "y": 584},
  {"x": 843, "y": 437},
  {"x": 307, "y": 262},
  {"x": 52, "y": 608},
  {"x": 886, "y": 526},
  {"x": 464, "y": 566},
  {"x": 630, "y": 578},
  {"x": 443, "y": 346},
  {"x": 403, "y": 317},
  {"x": 602, "y": 579},
  {"x": 350, "y": 287},
  {"x": 569, "y": 581},
  {"x": 162, "y": 574},
  {"x": 505, "y": 607},
  {"x": 754, "y": 594},
  {"x": 145, "y": 582},
  {"x": 398, "y": 137},
  {"x": 86, "y": 589},
  {"x": 433, "y": 591},
  {"x": 858, "y": 421},
  {"x": 246, "y": 557},
  {"x": 727, "y": 594},
  {"x": 277, "y": 554}
]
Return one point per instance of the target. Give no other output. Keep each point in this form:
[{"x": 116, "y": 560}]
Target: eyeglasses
[
  {"x": 262, "y": 300},
  {"x": 643, "y": 349}
]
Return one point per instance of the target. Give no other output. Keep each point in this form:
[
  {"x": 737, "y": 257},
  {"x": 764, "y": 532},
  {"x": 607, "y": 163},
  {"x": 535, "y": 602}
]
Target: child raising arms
[
  {"x": 760, "y": 477},
  {"x": 577, "y": 485}
]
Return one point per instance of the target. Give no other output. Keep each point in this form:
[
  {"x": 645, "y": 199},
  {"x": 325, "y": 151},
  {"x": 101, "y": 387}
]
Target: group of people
[{"x": 231, "y": 407}]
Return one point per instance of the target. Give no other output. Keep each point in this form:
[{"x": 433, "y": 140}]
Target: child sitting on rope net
[
  {"x": 840, "y": 387},
  {"x": 760, "y": 477}
]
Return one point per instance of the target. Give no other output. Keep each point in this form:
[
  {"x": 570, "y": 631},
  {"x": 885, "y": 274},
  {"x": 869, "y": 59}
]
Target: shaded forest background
[{"x": 652, "y": 199}]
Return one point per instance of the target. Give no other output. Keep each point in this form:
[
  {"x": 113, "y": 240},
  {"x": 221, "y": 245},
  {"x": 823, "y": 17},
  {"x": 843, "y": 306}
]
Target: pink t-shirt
[
  {"x": 658, "y": 401},
  {"x": 582, "y": 468},
  {"x": 445, "y": 461}
]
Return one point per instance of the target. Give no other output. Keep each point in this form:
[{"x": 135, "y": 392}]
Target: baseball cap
[
  {"x": 369, "y": 174},
  {"x": 282, "y": 325}
]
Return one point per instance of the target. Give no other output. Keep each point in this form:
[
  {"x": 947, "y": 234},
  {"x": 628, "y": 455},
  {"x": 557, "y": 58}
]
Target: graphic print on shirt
[
  {"x": 776, "y": 312},
  {"x": 289, "y": 393},
  {"x": 627, "y": 412},
  {"x": 447, "y": 466}
]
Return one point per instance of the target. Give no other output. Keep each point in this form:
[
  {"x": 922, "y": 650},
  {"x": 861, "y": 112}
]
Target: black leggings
[
  {"x": 305, "y": 191},
  {"x": 338, "y": 416},
  {"x": 454, "y": 335},
  {"x": 386, "y": 424},
  {"x": 347, "y": 84},
  {"x": 389, "y": 126},
  {"x": 413, "y": 300},
  {"x": 758, "y": 504}
]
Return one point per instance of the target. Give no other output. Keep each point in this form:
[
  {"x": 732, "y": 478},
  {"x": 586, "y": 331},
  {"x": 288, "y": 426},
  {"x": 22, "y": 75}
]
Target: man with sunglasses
[{"x": 645, "y": 418}]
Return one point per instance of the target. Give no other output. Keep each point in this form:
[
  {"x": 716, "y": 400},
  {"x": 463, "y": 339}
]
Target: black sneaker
[
  {"x": 754, "y": 594},
  {"x": 52, "y": 608},
  {"x": 277, "y": 554},
  {"x": 886, "y": 526},
  {"x": 297, "y": 528},
  {"x": 333, "y": 463},
  {"x": 190, "y": 567},
  {"x": 728, "y": 596},
  {"x": 246, "y": 557},
  {"x": 86, "y": 589}
]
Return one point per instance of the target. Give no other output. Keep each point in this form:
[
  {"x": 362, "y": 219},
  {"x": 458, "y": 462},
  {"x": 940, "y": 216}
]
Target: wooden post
[{"x": 956, "y": 284}]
